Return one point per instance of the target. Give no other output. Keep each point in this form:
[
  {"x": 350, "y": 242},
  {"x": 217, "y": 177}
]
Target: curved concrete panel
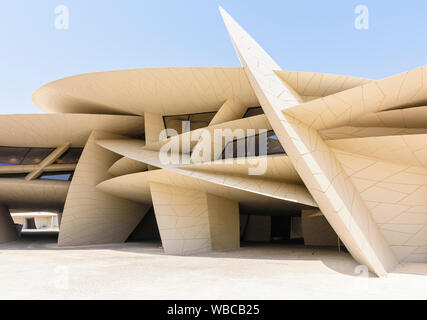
[
  {"x": 355, "y": 151},
  {"x": 348, "y": 132},
  {"x": 403, "y": 149},
  {"x": 158, "y": 90},
  {"x": 277, "y": 168},
  {"x": 191, "y": 221},
  {"x": 91, "y": 216},
  {"x": 274, "y": 194},
  {"x": 316, "y": 164},
  {"x": 33, "y": 195},
  {"x": 400, "y": 91},
  {"x": 396, "y": 194},
  {"x": 314, "y": 84},
  {"x": 126, "y": 166},
  {"x": 134, "y": 187},
  {"x": 53, "y": 130},
  {"x": 402, "y": 118}
]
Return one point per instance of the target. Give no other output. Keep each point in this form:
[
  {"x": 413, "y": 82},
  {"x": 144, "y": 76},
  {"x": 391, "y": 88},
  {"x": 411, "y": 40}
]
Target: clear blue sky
[{"x": 120, "y": 34}]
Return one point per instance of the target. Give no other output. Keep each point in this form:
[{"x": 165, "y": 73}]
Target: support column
[
  {"x": 8, "y": 231},
  {"x": 192, "y": 221},
  {"x": 153, "y": 128},
  {"x": 91, "y": 216}
]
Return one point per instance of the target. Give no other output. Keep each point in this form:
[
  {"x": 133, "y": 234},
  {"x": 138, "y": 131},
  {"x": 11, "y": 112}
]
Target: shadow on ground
[{"x": 341, "y": 262}]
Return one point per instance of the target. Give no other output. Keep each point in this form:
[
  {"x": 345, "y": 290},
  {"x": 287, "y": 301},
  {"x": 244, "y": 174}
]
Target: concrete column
[
  {"x": 192, "y": 221},
  {"x": 8, "y": 231},
  {"x": 59, "y": 218},
  {"x": 153, "y": 127},
  {"x": 91, "y": 216}
]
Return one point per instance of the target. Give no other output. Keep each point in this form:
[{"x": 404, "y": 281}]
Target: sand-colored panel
[
  {"x": 134, "y": 187},
  {"x": 277, "y": 189},
  {"x": 277, "y": 168},
  {"x": 53, "y": 130},
  {"x": 126, "y": 166},
  {"x": 314, "y": 84},
  {"x": 410, "y": 150},
  {"x": 342, "y": 108},
  {"x": 314, "y": 161},
  {"x": 352, "y": 132},
  {"x": 166, "y": 91},
  {"x": 36, "y": 195},
  {"x": 229, "y": 111},
  {"x": 191, "y": 221},
  {"x": 91, "y": 216},
  {"x": 396, "y": 194},
  {"x": 415, "y": 117},
  {"x": 154, "y": 128},
  {"x": 224, "y": 223},
  {"x": 256, "y": 123}
]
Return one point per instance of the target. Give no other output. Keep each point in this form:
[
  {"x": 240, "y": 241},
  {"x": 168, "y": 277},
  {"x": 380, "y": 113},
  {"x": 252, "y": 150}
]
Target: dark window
[
  {"x": 59, "y": 176},
  {"x": 240, "y": 146},
  {"x": 13, "y": 175},
  {"x": 273, "y": 144},
  {"x": 71, "y": 156},
  {"x": 36, "y": 155},
  {"x": 255, "y": 111},
  {"x": 10, "y": 156},
  {"x": 197, "y": 121},
  {"x": 13, "y": 156}
]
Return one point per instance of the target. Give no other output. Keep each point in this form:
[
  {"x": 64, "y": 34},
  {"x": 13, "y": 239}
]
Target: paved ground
[{"x": 34, "y": 268}]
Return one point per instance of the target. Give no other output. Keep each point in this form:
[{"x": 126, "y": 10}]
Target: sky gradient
[{"x": 110, "y": 34}]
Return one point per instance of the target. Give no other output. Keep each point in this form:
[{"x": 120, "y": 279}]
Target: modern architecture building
[{"x": 345, "y": 160}]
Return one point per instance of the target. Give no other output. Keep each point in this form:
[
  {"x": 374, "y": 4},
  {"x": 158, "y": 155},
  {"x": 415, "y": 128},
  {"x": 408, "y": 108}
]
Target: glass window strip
[
  {"x": 14, "y": 156},
  {"x": 273, "y": 147},
  {"x": 197, "y": 121},
  {"x": 57, "y": 176}
]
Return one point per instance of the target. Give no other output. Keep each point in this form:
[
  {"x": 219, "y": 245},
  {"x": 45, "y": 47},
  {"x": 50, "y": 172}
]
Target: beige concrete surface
[
  {"x": 32, "y": 269},
  {"x": 192, "y": 221},
  {"x": 53, "y": 129},
  {"x": 105, "y": 219},
  {"x": 353, "y": 148},
  {"x": 156, "y": 90},
  {"x": 317, "y": 165}
]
